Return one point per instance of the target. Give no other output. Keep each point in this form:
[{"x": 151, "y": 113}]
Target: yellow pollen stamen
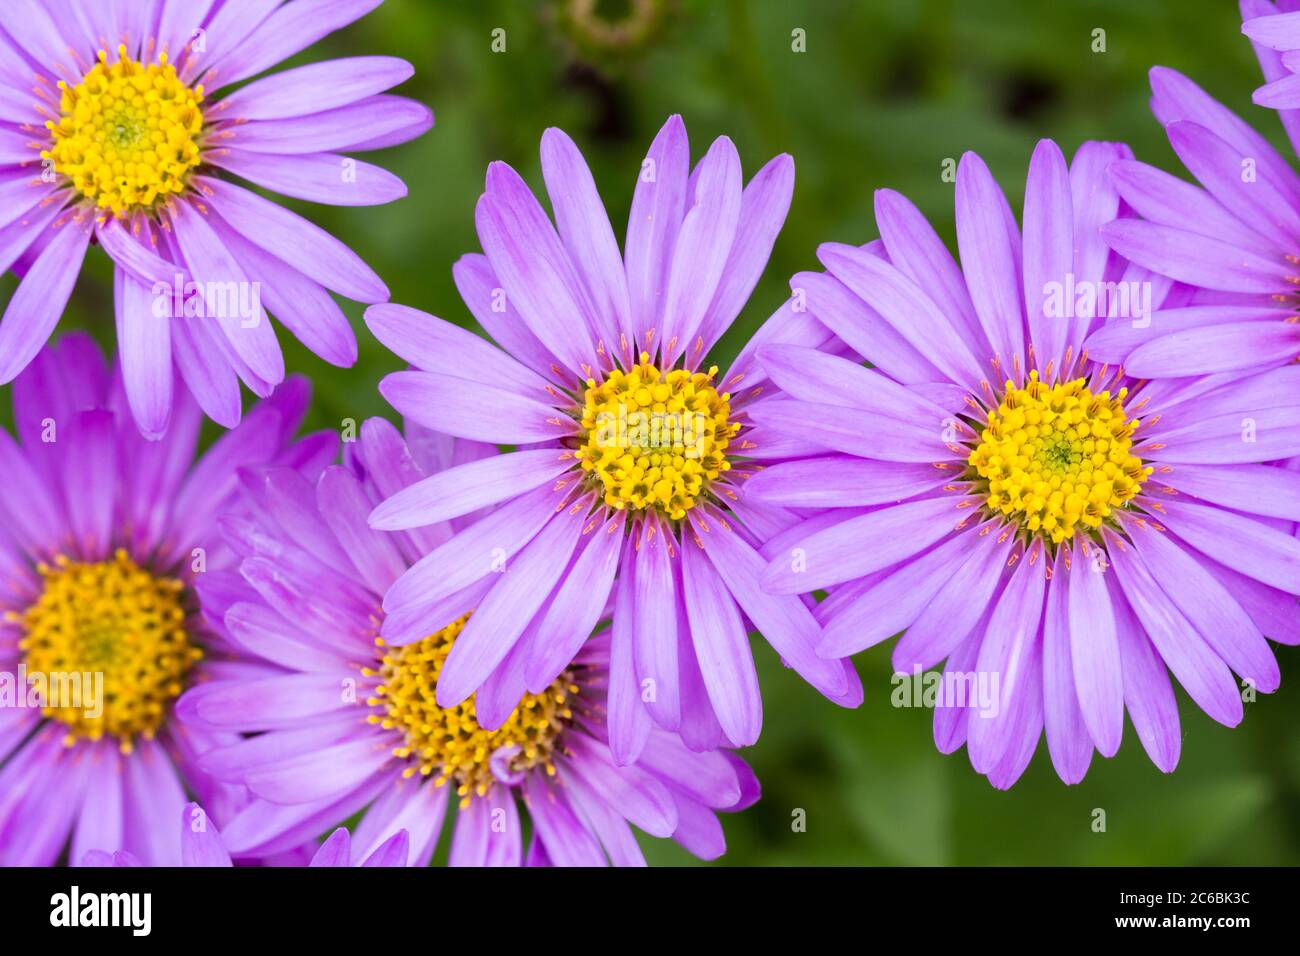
[
  {"x": 1055, "y": 458},
  {"x": 655, "y": 440},
  {"x": 129, "y": 134},
  {"x": 447, "y": 743},
  {"x": 116, "y": 619}
]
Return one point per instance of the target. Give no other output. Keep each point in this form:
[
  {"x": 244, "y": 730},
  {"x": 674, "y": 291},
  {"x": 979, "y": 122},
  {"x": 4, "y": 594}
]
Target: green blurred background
[{"x": 885, "y": 92}]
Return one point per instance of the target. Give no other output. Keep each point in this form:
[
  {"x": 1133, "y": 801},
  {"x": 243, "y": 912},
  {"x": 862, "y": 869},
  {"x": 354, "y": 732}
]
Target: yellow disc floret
[
  {"x": 129, "y": 134},
  {"x": 652, "y": 439},
  {"x": 1055, "y": 458},
  {"x": 109, "y": 619},
  {"x": 447, "y": 743}
]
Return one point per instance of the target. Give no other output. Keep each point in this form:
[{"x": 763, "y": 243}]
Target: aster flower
[
  {"x": 106, "y": 541},
  {"x": 1235, "y": 237},
  {"x": 348, "y": 721},
  {"x": 201, "y": 845},
  {"x": 630, "y": 449},
  {"x": 989, "y": 489},
  {"x": 115, "y": 127}
]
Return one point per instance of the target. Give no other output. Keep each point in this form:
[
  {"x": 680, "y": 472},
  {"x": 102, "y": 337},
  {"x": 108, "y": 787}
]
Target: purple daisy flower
[
  {"x": 630, "y": 451},
  {"x": 349, "y": 721},
  {"x": 202, "y": 845},
  {"x": 988, "y": 489},
  {"x": 106, "y": 541},
  {"x": 109, "y": 131},
  {"x": 1236, "y": 236}
]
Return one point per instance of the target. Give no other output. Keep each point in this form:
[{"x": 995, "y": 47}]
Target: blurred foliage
[{"x": 885, "y": 92}]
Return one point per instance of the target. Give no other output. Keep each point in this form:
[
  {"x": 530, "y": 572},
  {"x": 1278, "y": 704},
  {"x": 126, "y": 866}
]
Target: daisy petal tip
[
  {"x": 624, "y": 752},
  {"x": 390, "y": 605},
  {"x": 829, "y": 253},
  {"x": 1165, "y": 78},
  {"x": 765, "y": 354},
  {"x": 451, "y": 691},
  {"x": 1250, "y": 27},
  {"x": 1108, "y": 748},
  {"x": 1070, "y": 778},
  {"x": 725, "y": 144},
  {"x": 971, "y": 161},
  {"x": 854, "y": 693},
  {"x": 502, "y": 176},
  {"x": 387, "y": 384},
  {"x": 379, "y": 519},
  {"x": 1167, "y": 762},
  {"x": 228, "y": 417},
  {"x": 1002, "y": 783},
  {"x": 556, "y": 140},
  {"x": 1047, "y": 148}
]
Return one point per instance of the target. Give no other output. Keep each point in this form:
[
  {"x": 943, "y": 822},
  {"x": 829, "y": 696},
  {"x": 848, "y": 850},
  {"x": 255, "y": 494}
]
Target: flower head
[
  {"x": 118, "y": 128},
  {"x": 107, "y": 542},
  {"x": 1055, "y": 529},
  {"x": 349, "y": 720},
  {"x": 626, "y": 485}
]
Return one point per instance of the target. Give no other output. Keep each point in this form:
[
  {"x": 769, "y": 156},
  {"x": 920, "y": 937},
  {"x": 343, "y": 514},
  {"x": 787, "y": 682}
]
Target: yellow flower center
[
  {"x": 447, "y": 743},
  {"x": 129, "y": 136},
  {"x": 115, "y": 620},
  {"x": 655, "y": 440},
  {"x": 1054, "y": 458}
]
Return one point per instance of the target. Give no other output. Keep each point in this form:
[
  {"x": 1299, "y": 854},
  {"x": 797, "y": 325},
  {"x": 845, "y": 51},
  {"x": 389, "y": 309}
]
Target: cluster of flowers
[{"x": 1012, "y": 461}]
